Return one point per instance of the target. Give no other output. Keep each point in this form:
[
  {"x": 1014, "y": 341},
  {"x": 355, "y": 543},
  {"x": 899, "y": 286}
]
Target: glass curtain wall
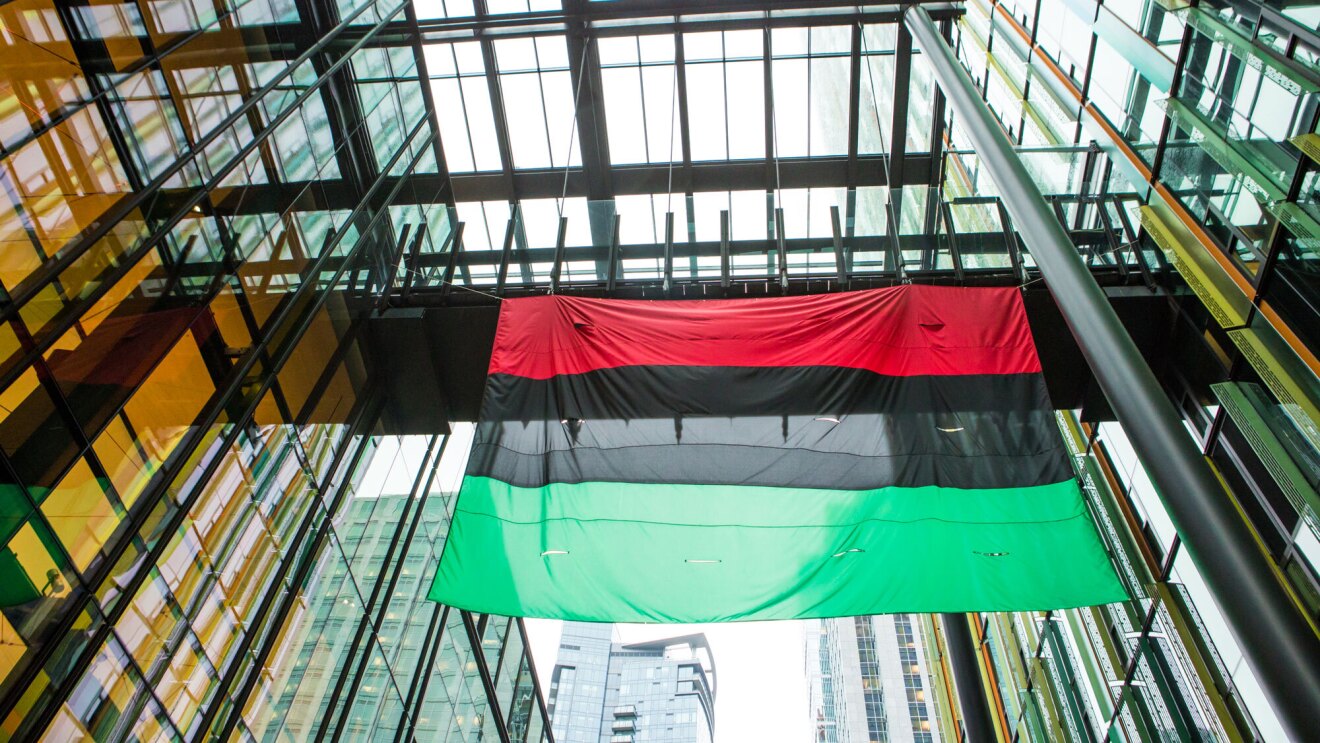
[
  {"x": 192, "y": 197},
  {"x": 1207, "y": 112}
]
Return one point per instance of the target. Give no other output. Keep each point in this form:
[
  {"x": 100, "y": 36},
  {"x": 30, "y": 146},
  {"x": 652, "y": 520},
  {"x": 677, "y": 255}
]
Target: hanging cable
[
  {"x": 572, "y": 134},
  {"x": 464, "y": 287},
  {"x": 673, "y": 121},
  {"x": 774, "y": 118},
  {"x": 888, "y": 153}
]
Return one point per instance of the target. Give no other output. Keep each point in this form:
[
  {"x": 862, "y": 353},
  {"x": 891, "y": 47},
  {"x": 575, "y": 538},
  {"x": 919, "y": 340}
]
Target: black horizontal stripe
[
  {"x": 813, "y": 427},
  {"x": 633, "y": 392}
]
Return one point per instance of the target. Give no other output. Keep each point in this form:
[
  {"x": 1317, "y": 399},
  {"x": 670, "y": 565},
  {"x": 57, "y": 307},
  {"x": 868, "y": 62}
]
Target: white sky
[{"x": 761, "y": 687}]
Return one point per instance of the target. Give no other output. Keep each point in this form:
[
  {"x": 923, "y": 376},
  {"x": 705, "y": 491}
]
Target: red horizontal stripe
[{"x": 900, "y": 331}]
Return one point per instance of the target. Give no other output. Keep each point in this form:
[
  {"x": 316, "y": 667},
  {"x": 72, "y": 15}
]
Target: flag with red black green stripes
[{"x": 890, "y": 450}]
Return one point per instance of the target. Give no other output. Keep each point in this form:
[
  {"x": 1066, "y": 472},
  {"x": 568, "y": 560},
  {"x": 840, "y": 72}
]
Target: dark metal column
[
  {"x": 1277, "y": 641},
  {"x": 973, "y": 707}
]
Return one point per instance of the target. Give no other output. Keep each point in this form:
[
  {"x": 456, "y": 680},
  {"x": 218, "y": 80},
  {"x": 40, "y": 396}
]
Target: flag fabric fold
[{"x": 880, "y": 451}]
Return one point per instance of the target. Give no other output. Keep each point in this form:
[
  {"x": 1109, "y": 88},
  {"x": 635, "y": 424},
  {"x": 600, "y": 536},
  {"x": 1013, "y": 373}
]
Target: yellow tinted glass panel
[
  {"x": 166, "y": 405},
  {"x": 81, "y": 514},
  {"x": 123, "y": 462}
]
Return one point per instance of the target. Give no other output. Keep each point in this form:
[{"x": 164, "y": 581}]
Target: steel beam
[
  {"x": 660, "y": 16},
  {"x": 592, "y": 133},
  {"x": 669, "y": 253},
  {"x": 1278, "y": 642},
  {"x": 506, "y": 254},
  {"x": 724, "y": 249},
  {"x": 447, "y": 278},
  {"x": 498, "y": 115},
  {"x": 840, "y": 262},
  {"x": 973, "y": 707},
  {"x": 854, "y": 102},
  {"x": 557, "y": 268},
  {"x": 612, "y": 270},
  {"x": 483, "y": 669},
  {"x": 899, "y": 117}
]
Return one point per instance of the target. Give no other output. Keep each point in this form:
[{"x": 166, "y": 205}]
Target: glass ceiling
[
  {"x": 699, "y": 97},
  {"x": 745, "y": 125}
]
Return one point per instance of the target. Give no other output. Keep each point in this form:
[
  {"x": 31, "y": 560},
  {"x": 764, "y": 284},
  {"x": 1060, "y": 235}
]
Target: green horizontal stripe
[{"x": 647, "y": 553}]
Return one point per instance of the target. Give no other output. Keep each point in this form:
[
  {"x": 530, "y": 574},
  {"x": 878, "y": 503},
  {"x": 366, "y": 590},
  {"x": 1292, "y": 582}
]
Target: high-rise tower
[{"x": 659, "y": 691}]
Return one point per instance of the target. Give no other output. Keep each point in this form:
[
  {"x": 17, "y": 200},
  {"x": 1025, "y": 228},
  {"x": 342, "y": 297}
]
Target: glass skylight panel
[
  {"x": 443, "y": 8},
  {"x": 912, "y": 215},
  {"x": 876, "y": 104},
  {"x": 811, "y": 79},
  {"x": 641, "y": 98},
  {"x": 390, "y": 99},
  {"x": 642, "y": 217},
  {"x": 541, "y": 53},
  {"x": 484, "y": 223},
  {"x": 538, "y": 101},
  {"x": 707, "y": 111},
  {"x": 807, "y": 211},
  {"x": 260, "y": 12},
  {"x": 541, "y": 219},
  {"x": 726, "y": 94},
  {"x": 467, "y": 122},
  {"x": 504, "y": 7},
  {"x": 747, "y": 214},
  {"x": 303, "y": 146},
  {"x": 625, "y": 114},
  {"x": 828, "y": 97},
  {"x": 921, "y": 89},
  {"x": 792, "y": 85}
]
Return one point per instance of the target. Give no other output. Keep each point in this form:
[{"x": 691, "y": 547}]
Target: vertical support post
[
  {"x": 536, "y": 683},
  {"x": 456, "y": 246},
  {"x": 483, "y": 670},
  {"x": 892, "y": 245},
  {"x": 669, "y": 253},
  {"x": 724, "y": 249},
  {"x": 780, "y": 250},
  {"x": 840, "y": 263},
  {"x": 415, "y": 252},
  {"x": 613, "y": 270},
  {"x": 955, "y": 252},
  {"x": 898, "y": 126},
  {"x": 1011, "y": 242},
  {"x": 506, "y": 255},
  {"x": 973, "y": 707},
  {"x": 1277, "y": 641},
  {"x": 392, "y": 270},
  {"x": 557, "y": 269}
]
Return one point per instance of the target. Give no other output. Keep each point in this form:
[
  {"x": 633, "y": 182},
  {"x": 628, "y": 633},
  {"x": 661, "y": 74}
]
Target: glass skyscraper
[
  {"x": 248, "y": 245},
  {"x": 659, "y": 691},
  {"x": 874, "y": 680}
]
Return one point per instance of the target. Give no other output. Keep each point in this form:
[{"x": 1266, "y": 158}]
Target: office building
[
  {"x": 872, "y": 680},
  {"x": 608, "y": 692},
  {"x": 454, "y": 703},
  {"x": 245, "y": 244}
]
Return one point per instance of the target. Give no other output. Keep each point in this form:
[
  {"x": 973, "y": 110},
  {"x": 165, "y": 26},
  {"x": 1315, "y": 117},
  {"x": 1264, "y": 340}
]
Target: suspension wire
[
  {"x": 464, "y": 287},
  {"x": 673, "y": 121},
  {"x": 572, "y": 134},
  {"x": 774, "y": 118},
  {"x": 880, "y": 132}
]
